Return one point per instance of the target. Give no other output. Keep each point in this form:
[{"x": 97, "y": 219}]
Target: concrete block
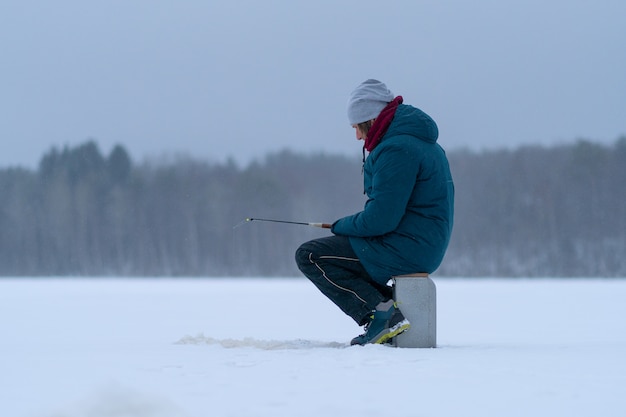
[{"x": 416, "y": 296}]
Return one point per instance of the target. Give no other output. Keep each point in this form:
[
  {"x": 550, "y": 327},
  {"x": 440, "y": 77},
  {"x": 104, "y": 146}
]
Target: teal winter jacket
[{"x": 406, "y": 223}]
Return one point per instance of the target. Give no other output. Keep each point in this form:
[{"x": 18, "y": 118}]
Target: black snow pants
[{"x": 334, "y": 268}]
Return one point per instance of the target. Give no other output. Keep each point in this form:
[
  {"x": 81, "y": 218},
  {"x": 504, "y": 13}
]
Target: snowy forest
[{"x": 528, "y": 212}]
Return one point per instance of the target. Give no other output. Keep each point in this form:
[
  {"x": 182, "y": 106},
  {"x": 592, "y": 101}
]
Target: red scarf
[{"x": 381, "y": 124}]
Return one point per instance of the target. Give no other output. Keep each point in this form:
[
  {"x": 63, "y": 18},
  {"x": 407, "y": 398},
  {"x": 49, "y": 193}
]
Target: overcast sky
[{"x": 229, "y": 78}]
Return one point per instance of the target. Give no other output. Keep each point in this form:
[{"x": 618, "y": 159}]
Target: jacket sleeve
[{"x": 394, "y": 174}]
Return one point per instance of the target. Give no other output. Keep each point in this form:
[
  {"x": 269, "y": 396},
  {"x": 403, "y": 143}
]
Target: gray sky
[{"x": 229, "y": 78}]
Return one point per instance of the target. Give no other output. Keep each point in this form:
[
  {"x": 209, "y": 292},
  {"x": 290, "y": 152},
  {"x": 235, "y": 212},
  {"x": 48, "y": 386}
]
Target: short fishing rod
[{"x": 250, "y": 219}]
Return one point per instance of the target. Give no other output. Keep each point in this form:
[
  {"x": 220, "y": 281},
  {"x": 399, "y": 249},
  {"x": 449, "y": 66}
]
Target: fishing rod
[{"x": 250, "y": 219}]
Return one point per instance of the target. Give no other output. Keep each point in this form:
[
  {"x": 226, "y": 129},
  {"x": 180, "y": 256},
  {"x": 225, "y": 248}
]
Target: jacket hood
[{"x": 410, "y": 120}]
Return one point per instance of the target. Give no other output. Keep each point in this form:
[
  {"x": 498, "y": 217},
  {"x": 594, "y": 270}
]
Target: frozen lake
[{"x": 278, "y": 347}]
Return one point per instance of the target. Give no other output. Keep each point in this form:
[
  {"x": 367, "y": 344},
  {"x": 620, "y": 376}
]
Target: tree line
[{"x": 534, "y": 211}]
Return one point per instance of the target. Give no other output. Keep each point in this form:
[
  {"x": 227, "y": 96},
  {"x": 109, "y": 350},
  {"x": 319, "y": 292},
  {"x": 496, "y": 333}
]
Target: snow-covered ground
[{"x": 277, "y": 347}]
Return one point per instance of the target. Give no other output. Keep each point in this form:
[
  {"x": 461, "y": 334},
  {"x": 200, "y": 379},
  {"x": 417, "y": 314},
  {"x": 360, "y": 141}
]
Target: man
[{"x": 405, "y": 225}]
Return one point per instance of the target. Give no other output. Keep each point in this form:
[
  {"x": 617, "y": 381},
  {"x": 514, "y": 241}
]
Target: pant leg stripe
[
  {"x": 329, "y": 280},
  {"x": 343, "y": 258}
]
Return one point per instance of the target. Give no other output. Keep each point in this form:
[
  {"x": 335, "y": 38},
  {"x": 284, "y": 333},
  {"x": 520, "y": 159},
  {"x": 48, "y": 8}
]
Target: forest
[{"x": 533, "y": 211}]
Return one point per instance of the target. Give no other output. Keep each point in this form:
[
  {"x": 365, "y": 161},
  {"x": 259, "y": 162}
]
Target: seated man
[{"x": 405, "y": 225}]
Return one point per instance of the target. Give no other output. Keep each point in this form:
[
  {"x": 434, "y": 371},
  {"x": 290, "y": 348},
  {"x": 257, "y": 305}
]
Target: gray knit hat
[{"x": 367, "y": 101}]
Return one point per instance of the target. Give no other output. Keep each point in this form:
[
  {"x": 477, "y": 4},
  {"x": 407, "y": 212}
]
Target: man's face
[{"x": 359, "y": 133}]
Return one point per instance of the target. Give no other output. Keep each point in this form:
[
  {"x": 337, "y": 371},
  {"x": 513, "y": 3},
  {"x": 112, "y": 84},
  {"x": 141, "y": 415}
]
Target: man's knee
[{"x": 303, "y": 254}]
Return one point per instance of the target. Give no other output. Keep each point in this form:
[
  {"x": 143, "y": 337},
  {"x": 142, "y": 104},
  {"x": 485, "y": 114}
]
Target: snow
[{"x": 278, "y": 347}]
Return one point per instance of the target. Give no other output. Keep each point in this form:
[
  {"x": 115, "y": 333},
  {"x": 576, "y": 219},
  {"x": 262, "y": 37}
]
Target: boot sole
[{"x": 399, "y": 328}]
